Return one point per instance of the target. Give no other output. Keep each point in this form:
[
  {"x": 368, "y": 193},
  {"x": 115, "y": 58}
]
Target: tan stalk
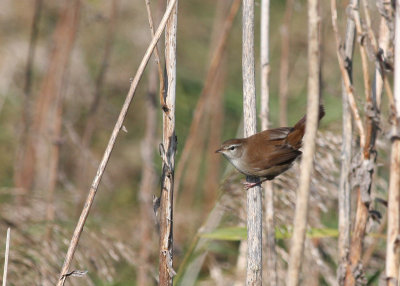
[
  {"x": 6, "y": 257},
  {"x": 168, "y": 149},
  {"x": 344, "y": 197},
  {"x": 302, "y": 200},
  {"x": 157, "y": 57},
  {"x": 393, "y": 229},
  {"x": 254, "y": 198},
  {"x": 270, "y": 271}
]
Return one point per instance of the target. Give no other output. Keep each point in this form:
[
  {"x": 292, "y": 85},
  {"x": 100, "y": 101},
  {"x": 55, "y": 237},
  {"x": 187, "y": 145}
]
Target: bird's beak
[{"x": 219, "y": 150}]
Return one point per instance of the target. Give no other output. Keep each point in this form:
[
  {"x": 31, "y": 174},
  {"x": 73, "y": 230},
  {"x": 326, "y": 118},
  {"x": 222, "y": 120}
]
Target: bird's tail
[{"x": 296, "y": 134}]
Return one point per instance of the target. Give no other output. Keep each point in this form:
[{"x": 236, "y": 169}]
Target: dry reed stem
[
  {"x": 264, "y": 61},
  {"x": 365, "y": 68},
  {"x": 393, "y": 229},
  {"x": 302, "y": 199},
  {"x": 346, "y": 77},
  {"x": 6, "y": 255},
  {"x": 392, "y": 243},
  {"x": 254, "y": 197},
  {"x": 284, "y": 63},
  {"x": 168, "y": 149},
  {"x": 271, "y": 258},
  {"x": 344, "y": 198},
  {"x": 110, "y": 146},
  {"x": 205, "y": 93},
  {"x": 157, "y": 57}
]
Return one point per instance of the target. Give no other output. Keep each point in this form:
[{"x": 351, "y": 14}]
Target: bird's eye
[{"x": 232, "y": 148}]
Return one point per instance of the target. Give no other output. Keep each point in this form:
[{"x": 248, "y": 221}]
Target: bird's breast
[
  {"x": 269, "y": 173},
  {"x": 238, "y": 164}
]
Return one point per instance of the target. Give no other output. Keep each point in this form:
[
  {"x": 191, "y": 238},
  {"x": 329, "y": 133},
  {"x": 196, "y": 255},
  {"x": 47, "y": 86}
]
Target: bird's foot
[{"x": 248, "y": 185}]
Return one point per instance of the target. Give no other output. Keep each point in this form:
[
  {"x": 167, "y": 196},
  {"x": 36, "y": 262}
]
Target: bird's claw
[{"x": 248, "y": 185}]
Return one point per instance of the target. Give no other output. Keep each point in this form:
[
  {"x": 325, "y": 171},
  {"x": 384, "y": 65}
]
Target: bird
[{"x": 268, "y": 153}]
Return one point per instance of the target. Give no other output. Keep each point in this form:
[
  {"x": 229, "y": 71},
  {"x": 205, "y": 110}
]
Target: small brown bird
[{"x": 266, "y": 154}]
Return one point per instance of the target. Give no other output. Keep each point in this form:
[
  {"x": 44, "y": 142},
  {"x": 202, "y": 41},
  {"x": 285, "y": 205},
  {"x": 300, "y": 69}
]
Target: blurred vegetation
[{"x": 114, "y": 216}]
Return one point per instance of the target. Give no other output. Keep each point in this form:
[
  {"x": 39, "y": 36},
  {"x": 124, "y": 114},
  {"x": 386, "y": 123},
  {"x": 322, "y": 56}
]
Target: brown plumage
[{"x": 268, "y": 153}]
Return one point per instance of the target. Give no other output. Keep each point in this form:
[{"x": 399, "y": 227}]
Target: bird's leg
[{"x": 248, "y": 185}]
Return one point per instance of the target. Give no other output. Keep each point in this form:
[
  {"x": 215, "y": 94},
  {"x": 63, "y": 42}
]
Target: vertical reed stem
[
  {"x": 254, "y": 204},
  {"x": 166, "y": 271},
  {"x": 300, "y": 220}
]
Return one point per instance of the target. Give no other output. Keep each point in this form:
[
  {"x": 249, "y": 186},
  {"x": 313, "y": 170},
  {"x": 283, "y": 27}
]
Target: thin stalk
[
  {"x": 168, "y": 149},
  {"x": 157, "y": 57},
  {"x": 268, "y": 188},
  {"x": 303, "y": 193},
  {"x": 254, "y": 198},
  {"x": 392, "y": 243},
  {"x": 344, "y": 185},
  {"x": 6, "y": 256}
]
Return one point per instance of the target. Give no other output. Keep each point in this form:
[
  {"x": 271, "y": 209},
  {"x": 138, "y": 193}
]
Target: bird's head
[{"x": 232, "y": 149}]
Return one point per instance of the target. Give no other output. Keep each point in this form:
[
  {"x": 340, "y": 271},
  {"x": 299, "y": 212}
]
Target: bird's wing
[
  {"x": 276, "y": 155},
  {"x": 274, "y": 134}
]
